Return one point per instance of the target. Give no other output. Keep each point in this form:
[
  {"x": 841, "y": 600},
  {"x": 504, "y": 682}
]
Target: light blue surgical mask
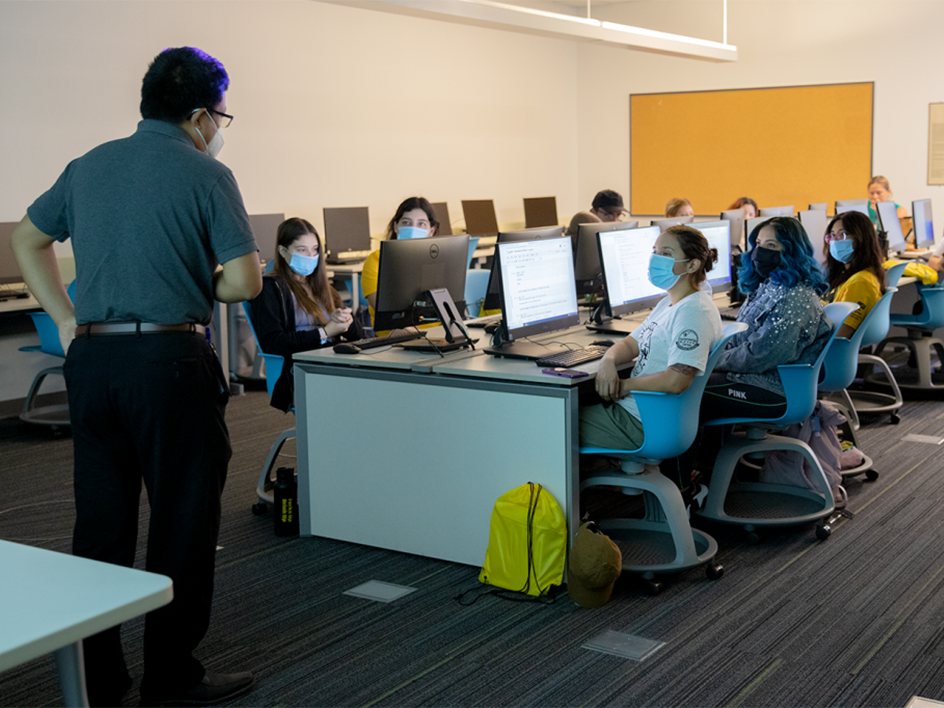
[
  {"x": 660, "y": 271},
  {"x": 411, "y": 232},
  {"x": 303, "y": 265},
  {"x": 842, "y": 251}
]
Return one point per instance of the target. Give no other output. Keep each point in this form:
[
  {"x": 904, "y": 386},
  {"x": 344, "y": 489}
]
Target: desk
[
  {"x": 52, "y": 601},
  {"x": 443, "y": 439}
]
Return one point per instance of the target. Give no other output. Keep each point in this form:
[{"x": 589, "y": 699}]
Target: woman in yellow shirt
[
  {"x": 414, "y": 218},
  {"x": 854, "y": 266}
]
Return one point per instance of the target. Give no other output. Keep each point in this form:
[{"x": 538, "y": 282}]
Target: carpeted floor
[{"x": 857, "y": 620}]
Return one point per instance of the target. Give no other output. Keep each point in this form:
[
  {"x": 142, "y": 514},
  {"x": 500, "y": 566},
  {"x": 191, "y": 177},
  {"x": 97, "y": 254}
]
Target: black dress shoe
[{"x": 213, "y": 689}]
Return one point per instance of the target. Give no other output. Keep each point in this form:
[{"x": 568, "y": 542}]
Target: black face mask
[{"x": 765, "y": 261}]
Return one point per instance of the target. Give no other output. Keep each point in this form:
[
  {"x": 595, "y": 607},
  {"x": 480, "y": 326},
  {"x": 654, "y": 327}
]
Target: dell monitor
[
  {"x": 718, "y": 235},
  {"x": 819, "y": 206},
  {"x": 492, "y": 300},
  {"x": 861, "y": 208},
  {"x": 736, "y": 217},
  {"x": 347, "y": 234},
  {"x": 265, "y": 229},
  {"x": 776, "y": 211},
  {"x": 843, "y": 204},
  {"x": 625, "y": 258},
  {"x": 814, "y": 222},
  {"x": 890, "y": 223},
  {"x": 540, "y": 211},
  {"x": 587, "y": 270},
  {"x": 666, "y": 223},
  {"x": 536, "y": 287},
  {"x": 411, "y": 267},
  {"x": 441, "y": 210},
  {"x": 480, "y": 219},
  {"x": 923, "y": 223},
  {"x": 751, "y": 225}
]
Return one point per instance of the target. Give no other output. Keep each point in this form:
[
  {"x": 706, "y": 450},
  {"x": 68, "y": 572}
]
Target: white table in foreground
[{"x": 53, "y": 600}]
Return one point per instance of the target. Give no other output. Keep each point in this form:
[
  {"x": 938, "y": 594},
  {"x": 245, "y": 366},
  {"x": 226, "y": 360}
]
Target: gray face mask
[{"x": 216, "y": 144}]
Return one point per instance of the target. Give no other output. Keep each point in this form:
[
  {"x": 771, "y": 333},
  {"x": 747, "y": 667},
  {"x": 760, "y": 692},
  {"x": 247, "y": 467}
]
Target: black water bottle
[{"x": 285, "y": 497}]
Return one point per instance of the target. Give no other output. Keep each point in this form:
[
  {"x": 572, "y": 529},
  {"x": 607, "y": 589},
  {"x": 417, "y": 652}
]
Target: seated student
[
  {"x": 298, "y": 310},
  {"x": 414, "y": 218},
  {"x": 854, "y": 266},
  {"x": 678, "y": 207},
  {"x": 785, "y": 318},
  {"x": 673, "y": 343},
  {"x": 935, "y": 258},
  {"x": 881, "y": 191},
  {"x": 607, "y": 206},
  {"x": 748, "y": 205}
]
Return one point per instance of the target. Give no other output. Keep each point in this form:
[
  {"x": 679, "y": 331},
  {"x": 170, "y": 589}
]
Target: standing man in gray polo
[{"x": 150, "y": 217}]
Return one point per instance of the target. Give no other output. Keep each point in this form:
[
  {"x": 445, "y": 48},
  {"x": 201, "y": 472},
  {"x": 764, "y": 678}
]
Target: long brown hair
[
  {"x": 409, "y": 204},
  {"x": 324, "y": 296},
  {"x": 866, "y": 254}
]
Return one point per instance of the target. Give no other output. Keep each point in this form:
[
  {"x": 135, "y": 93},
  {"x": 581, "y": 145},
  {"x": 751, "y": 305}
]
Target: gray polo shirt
[{"x": 150, "y": 216}]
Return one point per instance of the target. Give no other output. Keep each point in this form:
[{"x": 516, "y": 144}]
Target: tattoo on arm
[{"x": 684, "y": 369}]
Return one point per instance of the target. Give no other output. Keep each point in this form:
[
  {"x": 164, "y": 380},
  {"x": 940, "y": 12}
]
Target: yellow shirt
[{"x": 862, "y": 288}]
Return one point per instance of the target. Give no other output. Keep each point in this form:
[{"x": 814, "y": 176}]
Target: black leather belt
[{"x": 99, "y": 328}]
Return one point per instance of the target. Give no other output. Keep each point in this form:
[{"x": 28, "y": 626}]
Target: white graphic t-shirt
[{"x": 675, "y": 334}]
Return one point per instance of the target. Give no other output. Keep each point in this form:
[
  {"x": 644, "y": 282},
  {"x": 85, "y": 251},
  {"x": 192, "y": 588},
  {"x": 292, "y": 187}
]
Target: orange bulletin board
[{"x": 780, "y": 146}]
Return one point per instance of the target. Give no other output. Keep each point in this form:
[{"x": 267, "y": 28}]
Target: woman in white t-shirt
[{"x": 672, "y": 345}]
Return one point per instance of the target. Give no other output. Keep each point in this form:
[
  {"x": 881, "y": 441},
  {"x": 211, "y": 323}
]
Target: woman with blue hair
[{"x": 785, "y": 319}]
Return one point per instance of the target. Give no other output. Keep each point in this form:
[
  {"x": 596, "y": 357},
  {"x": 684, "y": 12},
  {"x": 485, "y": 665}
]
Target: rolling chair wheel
[
  {"x": 653, "y": 587},
  {"x": 895, "y": 418},
  {"x": 823, "y": 532},
  {"x": 871, "y": 475},
  {"x": 753, "y": 538},
  {"x": 259, "y": 509},
  {"x": 714, "y": 572}
]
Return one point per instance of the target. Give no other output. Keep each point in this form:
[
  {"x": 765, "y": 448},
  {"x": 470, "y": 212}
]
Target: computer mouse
[
  {"x": 346, "y": 348},
  {"x": 603, "y": 343}
]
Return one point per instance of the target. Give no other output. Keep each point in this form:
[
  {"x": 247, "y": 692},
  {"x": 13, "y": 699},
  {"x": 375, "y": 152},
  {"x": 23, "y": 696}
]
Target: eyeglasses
[
  {"x": 227, "y": 118},
  {"x": 837, "y": 236}
]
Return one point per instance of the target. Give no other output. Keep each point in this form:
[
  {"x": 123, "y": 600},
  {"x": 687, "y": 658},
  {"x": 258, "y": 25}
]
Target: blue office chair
[
  {"x": 756, "y": 504},
  {"x": 663, "y": 541},
  {"x": 920, "y": 342},
  {"x": 839, "y": 371},
  {"x": 273, "y": 366},
  {"x": 476, "y": 283},
  {"x": 873, "y": 402},
  {"x": 55, "y": 416},
  {"x": 473, "y": 244}
]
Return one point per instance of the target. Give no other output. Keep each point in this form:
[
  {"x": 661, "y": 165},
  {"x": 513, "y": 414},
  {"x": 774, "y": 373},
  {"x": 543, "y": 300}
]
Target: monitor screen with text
[
  {"x": 537, "y": 285},
  {"x": 625, "y": 256}
]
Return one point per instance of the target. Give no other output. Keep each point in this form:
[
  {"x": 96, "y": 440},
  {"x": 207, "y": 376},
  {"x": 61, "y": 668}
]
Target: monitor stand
[
  {"x": 525, "y": 350},
  {"x": 613, "y": 326}
]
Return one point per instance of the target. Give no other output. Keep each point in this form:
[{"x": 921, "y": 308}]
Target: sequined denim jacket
[{"x": 786, "y": 325}]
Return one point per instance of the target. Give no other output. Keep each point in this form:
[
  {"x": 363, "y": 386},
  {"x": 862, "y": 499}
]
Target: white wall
[
  {"x": 780, "y": 43},
  {"x": 334, "y": 106}
]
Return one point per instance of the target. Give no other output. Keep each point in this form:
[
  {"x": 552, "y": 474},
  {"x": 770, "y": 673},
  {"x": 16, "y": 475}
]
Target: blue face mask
[
  {"x": 411, "y": 232},
  {"x": 303, "y": 265},
  {"x": 660, "y": 271},
  {"x": 842, "y": 251}
]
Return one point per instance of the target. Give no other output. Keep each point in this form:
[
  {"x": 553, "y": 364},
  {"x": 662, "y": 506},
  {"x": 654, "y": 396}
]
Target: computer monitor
[
  {"x": 411, "y": 267},
  {"x": 480, "y": 219},
  {"x": 842, "y": 203},
  {"x": 861, "y": 208},
  {"x": 923, "y": 223},
  {"x": 624, "y": 255},
  {"x": 890, "y": 223},
  {"x": 441, "y": 209},
  {"x": 347, "y": 231},
  {"x": 814, "y": 223},
  {"x": 540, "y": 211},
  {"x": 537, "y": 289},
  {"x": 492, "y": 299},
  {"x": 9, "y": 270},
  {"x": 265, "y": 229},
  {"x": 718, "y": 235},
  {"x": 776, "y": 211},
  {"x": 819, "y": 206},
  {"x": 736, "y": 217},
  {"x": 588, "y": 272},
  {"x": 666, "y": 223},
  {"x": 752, "y": 224}
]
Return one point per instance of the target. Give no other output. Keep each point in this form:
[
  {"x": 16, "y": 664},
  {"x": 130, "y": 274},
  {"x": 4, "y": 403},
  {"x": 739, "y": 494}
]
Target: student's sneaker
[{"x": 213, "y": 689}]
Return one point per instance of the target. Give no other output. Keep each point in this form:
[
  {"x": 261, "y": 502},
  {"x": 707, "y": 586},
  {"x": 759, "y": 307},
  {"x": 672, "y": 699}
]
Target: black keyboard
[
  {"x": 395, "y": 337},
  {"x": 573, "y": 357}
]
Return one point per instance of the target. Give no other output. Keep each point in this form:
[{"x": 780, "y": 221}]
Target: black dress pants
[{"x": 149, "y": 408}]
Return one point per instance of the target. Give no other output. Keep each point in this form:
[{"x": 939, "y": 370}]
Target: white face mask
[{"x": 216, "y": 144}]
